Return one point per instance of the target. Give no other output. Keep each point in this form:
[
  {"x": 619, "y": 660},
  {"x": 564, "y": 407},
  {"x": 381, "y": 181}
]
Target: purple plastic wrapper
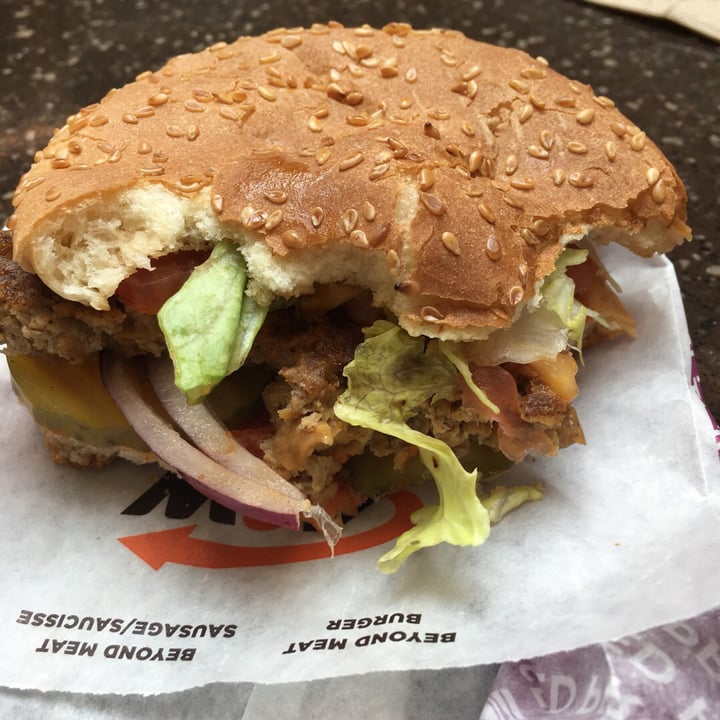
[{"x": 668, "y": 672}]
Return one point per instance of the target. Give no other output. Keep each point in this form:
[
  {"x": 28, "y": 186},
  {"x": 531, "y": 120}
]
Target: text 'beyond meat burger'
[{"x": 368, "y": 253}]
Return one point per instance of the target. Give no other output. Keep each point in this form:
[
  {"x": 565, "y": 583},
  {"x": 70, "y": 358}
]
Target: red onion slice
[{"x": 234, "y": 490}]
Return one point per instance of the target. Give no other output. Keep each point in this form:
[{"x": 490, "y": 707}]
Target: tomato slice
[{"x": 146, "y": 291}]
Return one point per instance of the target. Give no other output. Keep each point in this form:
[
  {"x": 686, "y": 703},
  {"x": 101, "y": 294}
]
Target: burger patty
[
  {"x": 307, "y": 352},
  {"x": 35, "y": 320}
]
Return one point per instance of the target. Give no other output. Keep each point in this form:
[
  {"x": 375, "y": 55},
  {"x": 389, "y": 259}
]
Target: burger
[{"x": 307, "y": 268}]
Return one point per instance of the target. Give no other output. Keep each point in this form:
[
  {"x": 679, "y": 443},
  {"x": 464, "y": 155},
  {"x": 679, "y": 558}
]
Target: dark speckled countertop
[{"x": 59, "y": 56}]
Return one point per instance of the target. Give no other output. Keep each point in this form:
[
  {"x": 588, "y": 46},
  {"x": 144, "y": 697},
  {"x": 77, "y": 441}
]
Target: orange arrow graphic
[{"x": 177, "y": 546}]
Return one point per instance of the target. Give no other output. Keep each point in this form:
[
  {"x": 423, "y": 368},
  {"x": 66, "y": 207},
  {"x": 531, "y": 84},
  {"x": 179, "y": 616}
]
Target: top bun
[{"x": 442, "y": 173}]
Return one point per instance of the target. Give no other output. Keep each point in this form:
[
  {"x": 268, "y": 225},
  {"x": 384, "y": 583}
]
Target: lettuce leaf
[
  {"x": 390, "y": 376},
  {"x": 558, "y": 295},
  {"x": 210, "y": 324}
]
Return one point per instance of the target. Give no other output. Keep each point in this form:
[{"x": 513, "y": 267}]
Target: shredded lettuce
[
  {"x": 558, "y": 295},
  {"x": 210, "y": 324},
  {"x": 389, "y": 377},
  {"x": 454, "y": 354}
]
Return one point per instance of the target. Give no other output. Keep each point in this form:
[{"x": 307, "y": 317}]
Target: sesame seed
[
  {"x": 558, "y": 176},
  {"x": 256, "y": 220},
  {"x": 511, "y": 164},
  {"x": 450, "y": 241},
  {"x": 273, "y": 220},
  {"x": 406, "y": 102},
  {"x": 105, "y": 147},
  {"x": 577, "y": 148},
  {"x": 60, "y": 163},
  {"x": 388, "y": 71},
  {"x": 515, "y": 295},
  {"x": 534, "y": 73},
  {"x": 567, "y": 102},
  {"x": 314, "y": 124},
  {"x": 350, "y": 161},
  {"x": 430, "y": 130},
  {"x": 432, "y": 203},
  {"x": 193, "y": 132},
  {"x": 322, "y": 155},
  {"x": 427, "y": 178},
  {"x": 474, "y": 160},
  {"x": 523, "y": 273},
  {"x": 115, "y": 156},
  {"x": 406, "y": 287},
  {"x": 431, "y": 314},
  {"x": 659, "y": 192},
  {"x": 358, "y": 120},
  {"x": 439, "y": 114},
  {"x": 349, "y": 219},
  {"x": 528, "y": 236},
  {"x": 354, "y": 98},
  {"x": 538, "y": 152},
  {"x": 144, "y": 148},
  {"x": 547, "y": 139},
  {"x": 291, "y": 41},
  {"x": 512, "y": 201},
  {"x": 276, "y": 196},
  {"x": 194, "y": 106},
  {"x": 493, "y": 249},
  {"x": 52, "y": 194},
  {"x": 472, "y": 72},
  {"x": 152, "y": 170},
  {"x": 467, "y": 128},
  {"x": 368, "y": 211},
  {"x": 522, "y": 183},
  {"x": 145, "y": 112},
  {"x": 293, "y": 239},
  {"x": 98, "y": 120},
  {"x": 393, "y": 262},
  {"x": 316, "y": 216},
  {"x": 520, "y": 86},
  {"x": 580, "y": 180},
  {"x": 228, "y": 113},
  {"x": 604, "y": 101},
  {"x": 620, "y": 129},
  {"x": 486, "y": 213},
  {"x": 158, "y": 99},
  {"x": 359, "y": 239},
  {"x": 203, "y": 96},
  {"x": 540, "y": 227},
  {"x": 266, "y": 93},
  {"x": 130, "y": 119},
  {"x": 411, "y": 75},
  {"x": 536, "y": 102},
  {"x": 274, "y": 56},
  {"x": 585, "y": 116},
  {"x": 29, "y": 184},
  {"x": 217, "y": 203},
  {"x": 652, "y": 175},
  {"x": 378, "y": 171},
  {"x": 637, "y": 141},
  {"x": 526, "y": 113},
  {"x": 574, "y": 87},
  {"x": 610, "y": 150}
]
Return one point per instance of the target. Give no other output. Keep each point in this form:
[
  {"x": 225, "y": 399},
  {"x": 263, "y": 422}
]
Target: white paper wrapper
[
  {"x": 702, "y": 16},
  {"x": 627, "y": 537}
]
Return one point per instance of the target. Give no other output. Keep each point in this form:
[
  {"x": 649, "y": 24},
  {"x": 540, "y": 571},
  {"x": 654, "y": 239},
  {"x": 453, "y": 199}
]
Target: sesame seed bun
[{"x": 442, "y": 173}]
